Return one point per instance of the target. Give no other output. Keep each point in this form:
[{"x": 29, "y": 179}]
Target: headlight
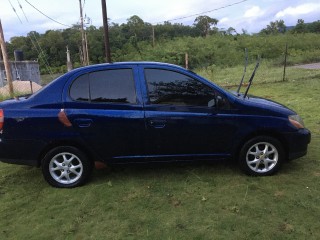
[{"x": 296, "y": 121}]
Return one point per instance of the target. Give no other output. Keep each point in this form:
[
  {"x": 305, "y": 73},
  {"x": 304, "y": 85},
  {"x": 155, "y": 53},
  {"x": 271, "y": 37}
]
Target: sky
[{"x": 251, "y": 15}]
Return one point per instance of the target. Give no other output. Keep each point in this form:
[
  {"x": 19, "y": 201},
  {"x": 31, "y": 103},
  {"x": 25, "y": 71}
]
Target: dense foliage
[{"x": 205, "y": 44}]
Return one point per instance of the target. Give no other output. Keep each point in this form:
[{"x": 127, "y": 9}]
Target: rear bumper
[
  {"x": 23, "y": 152},
  {"x": 297, "y": 143},
  {"x": 21, "y": 162}
]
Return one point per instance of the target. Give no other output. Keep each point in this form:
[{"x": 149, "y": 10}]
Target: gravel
[
  {"x": 20, "y": 87},
  {"x": 309, "y": 66}
]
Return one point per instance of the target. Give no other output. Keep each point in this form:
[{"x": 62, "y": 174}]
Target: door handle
[
  {"x": 82, "y": 122},
  {"x": 157, "y": 123}
]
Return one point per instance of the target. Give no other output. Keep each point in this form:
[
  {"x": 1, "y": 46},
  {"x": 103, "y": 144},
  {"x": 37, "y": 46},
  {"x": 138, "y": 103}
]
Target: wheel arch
[
  {"x": 60, "y": 143},
  {"x": 268, "y": 133}
]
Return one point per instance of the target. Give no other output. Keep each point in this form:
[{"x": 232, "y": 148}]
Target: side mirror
[
  {"x": 212, "y": 103},
  {"x": 222, "y": 103},
  {"x": 219, "y": 102}
]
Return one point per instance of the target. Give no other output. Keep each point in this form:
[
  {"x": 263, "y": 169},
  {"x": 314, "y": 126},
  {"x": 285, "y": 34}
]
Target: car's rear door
[{"x": 105, "y": 108}]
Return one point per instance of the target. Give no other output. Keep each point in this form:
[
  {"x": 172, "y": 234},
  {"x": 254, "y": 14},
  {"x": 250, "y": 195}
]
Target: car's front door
[
  {"x": 182, "y": 117},
  {"x": 105, "y": 109}
]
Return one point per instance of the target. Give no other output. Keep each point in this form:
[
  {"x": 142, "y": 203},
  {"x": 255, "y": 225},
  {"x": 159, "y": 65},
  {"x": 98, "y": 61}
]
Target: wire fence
[
  {"x": 19, "y": 88},
  {"x": 225, "y": 77},
  {"x": 25, "y": 76}
]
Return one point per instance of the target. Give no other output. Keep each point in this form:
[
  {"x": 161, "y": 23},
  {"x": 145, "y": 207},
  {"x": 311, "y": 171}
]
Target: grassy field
[
  {"x": 211, "y": 201},
  {"x": 45, "y": 79}
]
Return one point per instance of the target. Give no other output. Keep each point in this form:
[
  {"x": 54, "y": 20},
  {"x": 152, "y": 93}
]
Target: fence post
[
  {"x": 187, "y": 61},
  {"x": 285, "y": 63},
  {"x": 31, "y": 87}
]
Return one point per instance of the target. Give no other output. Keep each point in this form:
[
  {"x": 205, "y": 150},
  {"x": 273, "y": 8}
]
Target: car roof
[
  {"x": 60, "y": 81},
  {"x": 132, "y": 63}
]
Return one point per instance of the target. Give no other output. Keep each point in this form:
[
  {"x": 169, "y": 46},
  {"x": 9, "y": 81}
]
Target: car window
[
  {"x": 115, "y": 86},
  {"x": 79, "y": 90},
  {"x": 108, "y": 86},
  {"x": 169, "y": 87}
]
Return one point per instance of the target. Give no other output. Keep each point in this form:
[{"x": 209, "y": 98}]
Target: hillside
[{"x": 205, "y": 44}]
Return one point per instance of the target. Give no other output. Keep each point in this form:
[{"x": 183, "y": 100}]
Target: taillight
[
  {"x": 62, "y": 116},
  {"x": 1, "y": 119}
]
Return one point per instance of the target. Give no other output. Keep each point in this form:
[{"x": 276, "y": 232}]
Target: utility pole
[
  {"x": 84, "y": 49},
  {"x": 85, "y": 37},
  {"x": 106, "y": 31},
  {"x": 153, "y": 36},
  {"x": 6, "y": 61}
]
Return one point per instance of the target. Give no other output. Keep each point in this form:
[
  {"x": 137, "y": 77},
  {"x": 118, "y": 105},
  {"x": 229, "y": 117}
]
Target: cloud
[
  {"x": 299, "y": 10},
  {"x": 247, "y": 15},
  {"x": 224, "y": 20},
  {"x": 253, "y": 12}
]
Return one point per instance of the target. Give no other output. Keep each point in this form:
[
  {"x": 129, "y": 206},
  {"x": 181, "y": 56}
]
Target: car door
[
  {"x": 105, "y": 109},
  {"x": 183, "y": 118}
]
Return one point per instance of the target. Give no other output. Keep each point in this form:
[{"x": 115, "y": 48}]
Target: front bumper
[{"x": 297, "y": 143}]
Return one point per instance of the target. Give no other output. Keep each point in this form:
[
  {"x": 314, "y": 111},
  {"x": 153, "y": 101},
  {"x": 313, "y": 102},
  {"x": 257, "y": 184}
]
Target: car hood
[{"x": 267, "y": 105}]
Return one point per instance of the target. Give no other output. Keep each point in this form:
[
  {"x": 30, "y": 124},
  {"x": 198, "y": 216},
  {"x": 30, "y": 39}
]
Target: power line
[
  {"x": 39, "y": 51},
  {"x": 23, "y": 11},
  {"x": 47, "y": 15},
  {"x": 15, "y": 11},
  {"x": 198, "y": 14}
]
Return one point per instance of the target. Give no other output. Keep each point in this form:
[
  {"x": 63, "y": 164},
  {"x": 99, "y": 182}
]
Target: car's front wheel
[
  {"x": 261, "y": 156},
  {"x": 66, "y": 167}
]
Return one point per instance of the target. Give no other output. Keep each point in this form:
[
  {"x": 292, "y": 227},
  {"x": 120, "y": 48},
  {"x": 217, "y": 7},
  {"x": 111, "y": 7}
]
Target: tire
[
  {"x": 66, "y": 167},
  {"x": 261, "y": 156}
]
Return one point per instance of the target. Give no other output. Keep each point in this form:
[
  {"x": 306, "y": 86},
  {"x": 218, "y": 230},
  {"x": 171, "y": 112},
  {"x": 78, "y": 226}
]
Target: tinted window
[
  {"x": 80, "y": 89},
  {"x": 168, "y": 87},
  {"x": 113, "y": 86}
]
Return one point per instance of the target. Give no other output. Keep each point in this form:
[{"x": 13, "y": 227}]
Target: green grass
[
  {"x": 266, "y": 73},
  {"x": 211, "y": 201},
  {"x": 45, "y": 79}
]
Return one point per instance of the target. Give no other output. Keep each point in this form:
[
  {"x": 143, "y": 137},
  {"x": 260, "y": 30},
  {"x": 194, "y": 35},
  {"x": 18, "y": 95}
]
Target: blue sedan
[{"x": 143, "y": 112}]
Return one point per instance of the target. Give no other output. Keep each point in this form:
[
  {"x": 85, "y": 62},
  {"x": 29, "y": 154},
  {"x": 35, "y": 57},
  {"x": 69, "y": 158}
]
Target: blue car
[{"x": 143, "y": 112}]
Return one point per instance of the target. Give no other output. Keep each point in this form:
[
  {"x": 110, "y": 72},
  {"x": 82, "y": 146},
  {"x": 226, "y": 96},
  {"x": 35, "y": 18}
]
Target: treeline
[{"x": 203, "y": 41}]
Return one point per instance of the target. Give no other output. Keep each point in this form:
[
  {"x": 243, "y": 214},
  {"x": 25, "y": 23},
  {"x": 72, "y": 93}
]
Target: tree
[
  {"x": 314, "y": 27},
  {"x": 137, "y": 27},
  {"x": 96, "y": 44},
  {"x": 231, "y": 31},
  {"x": 244, "y": 31},
  {"x": 300, "y": 27},
  {"x": 25, "y": 44},
  {"x": 53, "y": 45},
  {"x": 204, "y": 24},
  {"x": 274, "y": 28}
]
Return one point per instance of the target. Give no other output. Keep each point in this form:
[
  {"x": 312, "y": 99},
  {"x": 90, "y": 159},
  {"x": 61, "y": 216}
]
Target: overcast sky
[{"x": 251, "y": 15}]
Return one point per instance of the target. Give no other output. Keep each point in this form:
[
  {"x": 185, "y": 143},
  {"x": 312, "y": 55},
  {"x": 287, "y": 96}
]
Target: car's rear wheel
[
  {"x": 66, "y": 167},
  {"x": 261, "y": 156}
]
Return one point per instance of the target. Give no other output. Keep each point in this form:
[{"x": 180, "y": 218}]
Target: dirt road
[{"x": 309, "y": 66}]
